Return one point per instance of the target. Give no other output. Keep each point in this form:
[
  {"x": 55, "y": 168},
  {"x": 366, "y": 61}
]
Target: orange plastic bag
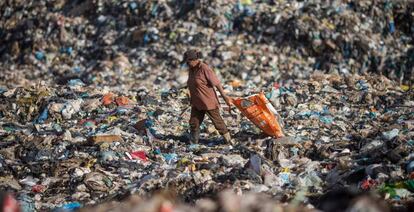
[
  {"x": 256, "y": 110},
  {"x": 108, "y": 99},
  {"x": 122, "y": 101}
]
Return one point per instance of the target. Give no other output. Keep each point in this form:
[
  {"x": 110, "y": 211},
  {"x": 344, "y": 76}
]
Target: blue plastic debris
[
  {"x": 76, "y": 70},
  {"x": 194, "y": 147},
  {"x": 89, "y": 124},
  {"x": 39, "y": 55},
  {"x": 294, "y": 150},
  {"x": 57, "y": 128},
  {"x": 308, "y": 113},
  {"x": 75, "y": 82},
  {"x": 325, "y": 110},
  {"x": 66, "y": 50},
  {"x": 410, "y": 167},
  {"x": 121, "y": 110},
  {"x": 2, "y": 90},
  {"x": 149, "y": 123},
  {"x": 146, "y": 38},
  {"x": 154, "y": 10},
  {"x": 326, "y": 119},
  {"x": 284, "y": 176},
  {"x": 157, "y": 151},
  {"x": 170, "y": 157},
  {"x": 73, "y": 206},
  {"x": 42, "y": 116},
  {"x": 107, "y": 156},
  {"x": 390, "y": 134},
  {"x": 362, "y": 85},
  {"x": 391, "y": 25},
  {"x": 26, "y": 203},
  {"x": 372, "y": 115},
  {"x": 69, "y": 50},
  {"x": 151, "y": 113},
  {"x": 133, "y": 5}
]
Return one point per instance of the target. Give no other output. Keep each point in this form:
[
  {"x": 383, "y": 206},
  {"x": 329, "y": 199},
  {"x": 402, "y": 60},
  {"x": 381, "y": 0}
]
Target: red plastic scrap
[
  {"x": 368, "y": 184},
  {"x": 139, "y": 155},
  {"x": 330, "y": 166},
  {"x": 276, "y": 85},
  {"x": 38, "y": 188}
]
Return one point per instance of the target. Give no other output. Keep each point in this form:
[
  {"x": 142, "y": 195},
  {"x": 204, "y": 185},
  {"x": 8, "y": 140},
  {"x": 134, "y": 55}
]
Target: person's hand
[{"x": 229, "y": 102}]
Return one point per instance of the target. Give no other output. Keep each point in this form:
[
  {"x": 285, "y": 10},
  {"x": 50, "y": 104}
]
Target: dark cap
[{"x": 191, "y": 55}]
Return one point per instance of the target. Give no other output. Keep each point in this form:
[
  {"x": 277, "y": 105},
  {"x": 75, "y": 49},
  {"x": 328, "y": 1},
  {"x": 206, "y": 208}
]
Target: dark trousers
[{"x": 197, "y": 117}]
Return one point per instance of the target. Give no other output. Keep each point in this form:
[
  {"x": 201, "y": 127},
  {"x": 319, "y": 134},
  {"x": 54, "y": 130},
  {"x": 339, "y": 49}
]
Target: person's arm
[
  {"x": 227, "y": 99},
  {"x": 188, "y": 93},
  {"x": 215, "y": 82}
]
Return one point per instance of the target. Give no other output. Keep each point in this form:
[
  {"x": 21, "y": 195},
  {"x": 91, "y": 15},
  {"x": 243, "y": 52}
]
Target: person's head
[
  {"x": 192, "y": 58},
  {"x": 192, "y": 63}
]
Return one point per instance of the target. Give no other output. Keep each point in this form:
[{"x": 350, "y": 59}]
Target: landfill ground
[{"x": 94, "y": 107}]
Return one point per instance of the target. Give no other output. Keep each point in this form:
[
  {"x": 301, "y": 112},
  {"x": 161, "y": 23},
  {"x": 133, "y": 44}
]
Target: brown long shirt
[{"x": 201, "y": 83}]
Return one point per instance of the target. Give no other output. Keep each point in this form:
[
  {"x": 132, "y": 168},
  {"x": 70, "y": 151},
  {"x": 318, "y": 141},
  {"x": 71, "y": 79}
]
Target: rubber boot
[
  {"x": 228, "y": 139},
  {"x": 195, "y": 137}
]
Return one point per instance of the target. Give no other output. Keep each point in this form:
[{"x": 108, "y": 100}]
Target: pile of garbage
[
  {"x": 94, "y": 107},
  {"x": 252, "y": 41},
  {"x": 78, "y": 143}
]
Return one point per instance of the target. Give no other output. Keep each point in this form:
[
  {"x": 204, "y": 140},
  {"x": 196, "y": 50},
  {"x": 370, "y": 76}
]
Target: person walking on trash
[{"x": 201, "y": 83}]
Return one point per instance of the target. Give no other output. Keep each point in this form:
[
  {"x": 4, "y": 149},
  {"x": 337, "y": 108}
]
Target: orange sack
[{"x": 256, "y": 109}]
